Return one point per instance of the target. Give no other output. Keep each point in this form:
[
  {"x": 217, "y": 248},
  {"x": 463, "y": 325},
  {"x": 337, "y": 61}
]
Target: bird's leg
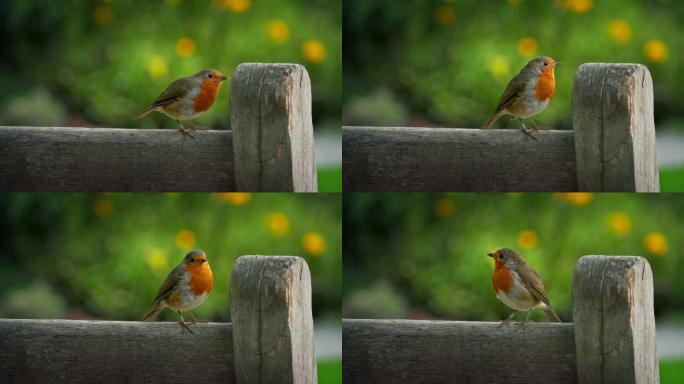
[
  {"x": 526, "y": 317},
  {"x": 194, "y": 319},
  {"x": 183, "y": 323},
  {"x": 182, "y": 129},
  {"x": 525, "y": 130},
  {"x": 194, "y": 127},
  {"x": 507, "y": 320},
  {"x": 534, "y": 125}
]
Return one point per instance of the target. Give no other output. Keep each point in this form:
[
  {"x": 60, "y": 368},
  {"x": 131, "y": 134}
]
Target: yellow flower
[
  {"x": 157, "y": 260},
  {"x": 576, "y": 198},
  {"x": 103, "y": 15},
  {"x": 277, "y": 31},
  {"x": 314, "y": 51},
  {"x": 313, "y": 243},
  {"x": 236, "y": 6},
  {"x": 499, "y": 67},
  {"x": 528, "y": 239},
  {"x": 103, "y": 208},
  {"x": 185, "y": 47},
  {"x": 278, "y": 224},
  {"x": 445, "y": 15},
  {"x": 157, "y": 67},
  {"x": 578, "y": 6},
  {"x": 620, "y": 31},
  {"x": 655, "y": 243},
  {"x": 445, "y": 207},
  {"x": 185, "y": 239},
  {"x": 233, "y": 198},
  {"x": 656, "y": 51},
  {"x": 527, "y": 46},
  {"x": 620, "y": 223}
]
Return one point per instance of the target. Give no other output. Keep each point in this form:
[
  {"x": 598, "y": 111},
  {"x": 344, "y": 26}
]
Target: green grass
[
  {"x": 330, "y": 179},
  {"x": 672, "y": 371},
  {"x": 330, "y": 371},
  {"x": 672, "y": 179}
]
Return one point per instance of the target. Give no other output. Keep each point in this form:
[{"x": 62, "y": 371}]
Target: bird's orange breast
[
  {"x": 206, "y": 96},
  {"x": 201, "y": 279},
  {"x": 502, "y": 278},
  {"x": 546, "y": 85}
]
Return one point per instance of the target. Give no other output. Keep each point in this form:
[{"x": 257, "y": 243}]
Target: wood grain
[
  {"x": 68, "y": 351},
  {"x": 271, "y": 119},
  {"x": 409, "y": 351},
  {"x": 612, "y": 115},
  {"x": 273, "y": 335},
  {"x": 452, "y": 159},
  {"x": 63, "y": 159},
  {"x": 614, "y": 320}
]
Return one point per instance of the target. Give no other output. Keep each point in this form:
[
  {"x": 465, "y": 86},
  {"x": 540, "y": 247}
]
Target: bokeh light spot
[
  {"x": 620, "y": 223},
  {"x": 313, "y": 243},
  {"x": 185, "y": 47},
  {"x": 314, "y": 51},
  {"x": 103, "y": 208},
  {"x": 528, "y": 46},
  {"x": 528, "y": 239},
  {"x": 277, "y": 31},
  {"x": 620, "y": 31},
  {"x": 655, "y": 243},
  {"x": 185, "y": 239},
  {"x": 655, "y": 51},
  {"x": 278, "y": 224}
]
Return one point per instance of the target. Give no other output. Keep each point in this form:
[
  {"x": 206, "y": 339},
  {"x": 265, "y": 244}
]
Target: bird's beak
[
  {"x": 555, "y": 63},
  {"x": 490, "y": 254},
  {"x": 221, "y": 77}
]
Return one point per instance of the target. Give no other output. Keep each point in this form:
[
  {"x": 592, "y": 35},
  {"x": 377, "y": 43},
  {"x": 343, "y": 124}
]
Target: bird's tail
[
  {"x": 491, "y": 120},
  {"x": 145, "y": 112},
  {"x": 152, "y": 314},
  {"x": 551, "y": 315}
]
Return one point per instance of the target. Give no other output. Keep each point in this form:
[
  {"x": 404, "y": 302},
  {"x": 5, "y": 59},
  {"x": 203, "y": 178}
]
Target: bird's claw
[
  {"x": 528, "y": 132},
  {"x": 185, "y": 325},
  {"x": 186, "y": 132}
]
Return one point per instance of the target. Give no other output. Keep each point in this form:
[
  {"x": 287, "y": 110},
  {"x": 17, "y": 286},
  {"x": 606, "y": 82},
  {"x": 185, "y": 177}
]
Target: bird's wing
[
  {"x": 175, "y": 90},
  {"x": 514, "y": 88},
  {"x": 533, "y": 282},
  {"x": 170, "y": 284}
]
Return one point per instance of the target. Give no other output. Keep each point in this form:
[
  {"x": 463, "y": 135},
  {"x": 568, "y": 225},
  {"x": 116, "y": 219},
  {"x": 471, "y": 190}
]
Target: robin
[
  {"x": 518, "y": 286},
  {"x": 186, "y": 287},
  {"x": 187, "y": 97},
  {"x": 528, "y": 93}
]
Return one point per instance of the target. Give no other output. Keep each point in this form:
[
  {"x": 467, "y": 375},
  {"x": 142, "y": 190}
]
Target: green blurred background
[
  {"x": 446, "y": 63},
  {"x": 424, "y": 256},
  {"x": 100, "y": 63},
  {"x": 104, "y": 256}
]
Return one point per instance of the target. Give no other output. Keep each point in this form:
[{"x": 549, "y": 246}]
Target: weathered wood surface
[
  {"x": 409, "y": 351},
  {"x": 64, "y": 159},
  {"x": 273, "y": 335},
  {"x": 271, "y": 120},
  {"x": 614, "y": 321},
  {"x": 612, "y": 115},
  {"x": 452, "y": 159},
  {"x": 67, "y": 351}
]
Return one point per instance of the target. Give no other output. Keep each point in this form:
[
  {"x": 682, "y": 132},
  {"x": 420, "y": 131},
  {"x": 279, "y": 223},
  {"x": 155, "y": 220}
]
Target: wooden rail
[
  {"x": 270, "y": 147},
  {"x": 611, "y": 341},
  {"x": 260, "y": 346},
  {"x": 612, "y": 147}
]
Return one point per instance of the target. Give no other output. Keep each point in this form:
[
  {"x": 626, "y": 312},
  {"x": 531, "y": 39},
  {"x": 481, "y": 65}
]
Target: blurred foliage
[
  {"x": 105, "y": 61},
  {"x": 432, "y": 248},
  {"x": 449, "y": 61},
  {"x": 672, "y": 179},
  {"x": 106, "y": 255},
  {"x": 330, "y": 371},
  {"x": 671, "y": 371}
]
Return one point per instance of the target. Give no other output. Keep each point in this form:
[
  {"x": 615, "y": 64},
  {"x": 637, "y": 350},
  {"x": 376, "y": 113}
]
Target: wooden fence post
[
  {"x": 270, "y": 306},
  {"x": 612, "y": 115},
  {"x": 270, "y": 117},
  {"x": 614, "y": 322}
]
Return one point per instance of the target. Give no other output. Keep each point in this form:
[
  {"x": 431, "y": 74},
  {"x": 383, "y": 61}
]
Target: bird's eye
[
  {"x": 210, "y": 75},
  {"x": 546, "y": 63}
]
